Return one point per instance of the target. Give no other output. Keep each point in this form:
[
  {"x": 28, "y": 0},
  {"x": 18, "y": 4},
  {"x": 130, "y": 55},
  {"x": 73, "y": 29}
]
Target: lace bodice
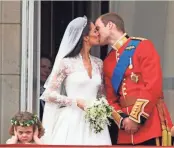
[{"x": 73, "y": 78}]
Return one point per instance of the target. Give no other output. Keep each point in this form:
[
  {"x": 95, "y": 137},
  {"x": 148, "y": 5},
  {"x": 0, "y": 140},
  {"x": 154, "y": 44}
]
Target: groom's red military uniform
[{"x": 140, "y": 93}]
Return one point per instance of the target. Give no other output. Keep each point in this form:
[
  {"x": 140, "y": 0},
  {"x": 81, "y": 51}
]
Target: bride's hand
[
  {"x": 53, "y": 100},
  {"x": 81, "y": 103}
]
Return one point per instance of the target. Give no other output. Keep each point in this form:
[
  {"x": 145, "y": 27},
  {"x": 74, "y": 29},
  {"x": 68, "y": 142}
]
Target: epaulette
[{"x": 138, "y": 38}]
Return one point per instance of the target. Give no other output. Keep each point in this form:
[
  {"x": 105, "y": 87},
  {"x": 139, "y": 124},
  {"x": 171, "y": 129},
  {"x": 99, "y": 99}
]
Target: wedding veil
[{"x": 71, "y": 37}]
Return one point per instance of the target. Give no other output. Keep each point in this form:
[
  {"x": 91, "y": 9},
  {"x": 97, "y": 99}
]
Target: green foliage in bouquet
[{"x": 97, "y": 114}]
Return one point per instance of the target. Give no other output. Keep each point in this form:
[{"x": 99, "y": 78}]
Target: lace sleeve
[
  {"x": 53, "y": 90},
  {"x": 101, "y": 91}
]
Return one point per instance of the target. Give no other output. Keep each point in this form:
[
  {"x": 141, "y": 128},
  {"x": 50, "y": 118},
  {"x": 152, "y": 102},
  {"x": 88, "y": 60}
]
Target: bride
[{"x": 75, "y": 79}]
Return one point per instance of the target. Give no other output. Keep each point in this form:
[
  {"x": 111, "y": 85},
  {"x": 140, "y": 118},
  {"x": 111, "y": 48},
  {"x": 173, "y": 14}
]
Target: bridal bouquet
[{"x": 97, "y": 114}]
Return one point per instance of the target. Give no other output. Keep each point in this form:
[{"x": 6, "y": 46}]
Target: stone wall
[{"x": 10, "y": 52}]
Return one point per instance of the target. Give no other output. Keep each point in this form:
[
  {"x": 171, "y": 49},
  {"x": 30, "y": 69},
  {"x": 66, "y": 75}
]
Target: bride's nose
[{"x": 97, "y": 34}]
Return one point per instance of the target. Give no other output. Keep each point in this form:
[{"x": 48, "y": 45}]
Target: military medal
[
  {"x": 130, "y": 64},
  {"x": 134, "y": 77}
]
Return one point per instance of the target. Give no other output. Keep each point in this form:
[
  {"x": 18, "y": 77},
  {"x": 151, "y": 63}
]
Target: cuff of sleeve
[
  {"x": 137, "y": 114},
  {"x": 123, "y": 115},
  {"x": 74, "y": 103},
  {"x": 117, "y": 118}
]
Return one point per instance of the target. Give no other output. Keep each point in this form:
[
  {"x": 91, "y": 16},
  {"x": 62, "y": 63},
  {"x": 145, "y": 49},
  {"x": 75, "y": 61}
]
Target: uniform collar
[{"x": 120, "y": 42}]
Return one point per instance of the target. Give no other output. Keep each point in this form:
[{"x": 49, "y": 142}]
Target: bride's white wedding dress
[{"x": 64, "y": 122}]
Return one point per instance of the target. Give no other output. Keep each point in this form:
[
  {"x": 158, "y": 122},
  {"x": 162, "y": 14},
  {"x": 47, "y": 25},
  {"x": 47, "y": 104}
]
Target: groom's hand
[{"x": 130, "y": 126}]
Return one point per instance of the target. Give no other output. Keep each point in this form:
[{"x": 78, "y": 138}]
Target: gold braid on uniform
[
  {"x": 137, "y": 112},
  {"x": 166, "y": 131},
  {"x": 117, "y": 118}
]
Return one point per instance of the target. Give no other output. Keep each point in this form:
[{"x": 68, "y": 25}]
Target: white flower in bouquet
[{"x": 97, "y": 114}]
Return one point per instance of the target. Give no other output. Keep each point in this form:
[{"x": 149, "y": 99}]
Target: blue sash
[{"x": 122, "y": 64}]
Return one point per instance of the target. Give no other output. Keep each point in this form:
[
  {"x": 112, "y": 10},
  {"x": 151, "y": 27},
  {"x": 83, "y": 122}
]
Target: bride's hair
[{"x": 79, "y": 45}]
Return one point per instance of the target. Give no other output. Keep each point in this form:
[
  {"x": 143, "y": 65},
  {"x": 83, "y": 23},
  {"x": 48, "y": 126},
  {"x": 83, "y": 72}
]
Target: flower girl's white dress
[{"x": 64, "y": 122}]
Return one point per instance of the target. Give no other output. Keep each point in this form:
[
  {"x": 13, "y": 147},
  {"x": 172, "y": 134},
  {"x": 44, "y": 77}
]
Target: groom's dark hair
[
  {"x": 114, "y": 18},
  {"x": 79, "y": 44}
]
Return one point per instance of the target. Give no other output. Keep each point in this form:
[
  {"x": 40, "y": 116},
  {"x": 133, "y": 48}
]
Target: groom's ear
[{"x": 110, "y": 25}]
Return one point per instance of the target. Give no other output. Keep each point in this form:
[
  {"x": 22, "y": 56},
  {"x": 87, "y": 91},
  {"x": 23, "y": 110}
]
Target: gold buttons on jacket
[{"x": 124, "y": 88}]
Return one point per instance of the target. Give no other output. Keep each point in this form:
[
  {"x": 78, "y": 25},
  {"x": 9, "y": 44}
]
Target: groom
[{"x": 133, "y": 81}]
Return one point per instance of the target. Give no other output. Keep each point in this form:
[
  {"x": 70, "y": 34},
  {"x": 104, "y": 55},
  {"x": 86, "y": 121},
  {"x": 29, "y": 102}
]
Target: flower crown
[{"x": 25, "y": 123}]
